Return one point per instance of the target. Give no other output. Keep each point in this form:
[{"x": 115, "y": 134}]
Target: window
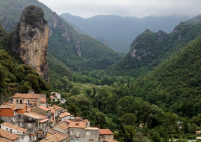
[
  {"x": 77, "y": 140},
  {"x": 10, "y": 130},
  {"x": 20, "y": 101},
  {"x": 17, "y": 101},
  {"x": 71, "y": 132},
  {"x": 19, "y": 116},
  {"x": 6, "y": 129},
  {"x": 72, "y": 140},
  {"x": 22, "y": 137}
]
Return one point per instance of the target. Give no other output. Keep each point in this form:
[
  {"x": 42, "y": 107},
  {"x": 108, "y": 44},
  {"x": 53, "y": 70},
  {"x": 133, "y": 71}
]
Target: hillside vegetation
[
  {"x": 150, "y": 49},
  {"x": 175, "y": 84}
]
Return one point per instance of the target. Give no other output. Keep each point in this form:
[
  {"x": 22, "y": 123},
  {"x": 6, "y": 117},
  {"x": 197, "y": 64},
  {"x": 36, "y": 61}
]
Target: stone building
[
  {"x": 105, "y": 135},
  {"x": 9, "y": 136},
  {"x": 22, "y": 133}
]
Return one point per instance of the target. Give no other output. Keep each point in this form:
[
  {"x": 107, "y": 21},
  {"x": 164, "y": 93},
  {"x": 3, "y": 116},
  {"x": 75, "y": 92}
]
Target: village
[{"x": 29, "y": 118}]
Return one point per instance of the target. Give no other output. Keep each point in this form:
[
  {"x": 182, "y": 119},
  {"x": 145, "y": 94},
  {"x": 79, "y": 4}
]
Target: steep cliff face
[{"x": 31, "y": 39}]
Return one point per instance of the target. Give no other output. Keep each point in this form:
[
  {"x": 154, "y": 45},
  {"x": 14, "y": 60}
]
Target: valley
[{"x": 76, "y": 83}]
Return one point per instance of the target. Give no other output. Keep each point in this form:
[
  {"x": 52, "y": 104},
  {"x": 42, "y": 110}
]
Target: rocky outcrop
[
  {"x": 161, "y": 35},
  {"x": 31, "y": 39}
]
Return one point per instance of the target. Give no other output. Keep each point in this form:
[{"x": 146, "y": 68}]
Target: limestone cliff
[{"x": 31, "y": 39}]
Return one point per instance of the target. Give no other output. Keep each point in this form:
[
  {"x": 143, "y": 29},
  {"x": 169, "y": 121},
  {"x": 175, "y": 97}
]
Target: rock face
[{"x": 31, "y": 39}]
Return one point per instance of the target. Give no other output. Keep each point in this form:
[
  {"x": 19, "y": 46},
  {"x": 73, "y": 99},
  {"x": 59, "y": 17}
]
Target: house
[
  {"x": 43, "y": 111},
  {"x": 29, "y": 99},
  {"x": 9, "y": 136},
  {"x": 57, "y": 95},
  {"x": 12, "y": 113},
  {"x": 53, "y": 99},
  {"x": 105, "y": 134},
  {"x": 52, "y": 132},
  {"x": 79, "y": 132},
  {"x": 56, "y": 138},
  {"x": 32, "y": 122},
  {"x": 58, "y": 111},
  {"x": 65, "y": 116},
  {"x": 198, "y": 132},
  {"x": 22, "y": 133}
]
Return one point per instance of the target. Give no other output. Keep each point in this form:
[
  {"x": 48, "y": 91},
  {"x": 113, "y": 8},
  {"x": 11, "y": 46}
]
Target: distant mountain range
[
  {"x": 150, "y": 49},
  {"x": 118, "y": 32}
]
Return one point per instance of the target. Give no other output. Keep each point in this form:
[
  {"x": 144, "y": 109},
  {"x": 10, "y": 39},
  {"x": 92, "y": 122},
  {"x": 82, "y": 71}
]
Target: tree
[
  {"x": 156, "y": 137},
  {"x": 128, "y": 119},
  {"x": 100, "y": 120},
  {"x": 72, "y": 109}
]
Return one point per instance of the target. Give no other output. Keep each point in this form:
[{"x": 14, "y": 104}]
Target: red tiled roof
[
  {"x": 52, "y": 97},
  {"x": 44, "y": 120},
  {"x": 35, "y": 115},
  {"x": 40, "y": 132},
  {"x": 13, "y": 127},
  {"x": 62, "y": 126},
  {"x": 64, "y": 114},
  {"x": 28, "y": 96},
  {"x": 4, "y": 140},
  {"x": 54, "y": 138},
  {"x": 77, "y": 125},
  {"x": 43, "y": 100},
  {"x": 44, "y": 108},
  {"x": 8, "y": 135},
  {"x": 57, "y": 107},
  {"x": 108, "y": 140},
  {"x": 105, "y": 132}
]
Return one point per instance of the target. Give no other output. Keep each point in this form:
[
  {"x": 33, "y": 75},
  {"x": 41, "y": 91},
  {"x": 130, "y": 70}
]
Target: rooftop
[
  {"x": 54, "y": 138},
  {"x": 57, "y": 107},
  {"x": 4, "y": 140},
  {"x": 27, "y": 96},
  {"x": 43, "y": 100},
  {"x": 35, "y": 115},
  {"x": 8, "y": 135},
  {"x": 77, "y": 125},
  {"x": 44, "y": 108},
  {"x": 62, "y": 126},
  {"x": 105, "y": 132},
  {"x": 52, "y": 132},
  {"x": 91, "y": 128},
  {"x": 13, "y": 127},
  {"x": 52, "y": 97},
  {"x": 64, "y": 114}
]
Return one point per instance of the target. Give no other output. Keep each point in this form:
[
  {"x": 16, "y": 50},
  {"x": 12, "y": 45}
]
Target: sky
[{"x": 133, "y": 8}]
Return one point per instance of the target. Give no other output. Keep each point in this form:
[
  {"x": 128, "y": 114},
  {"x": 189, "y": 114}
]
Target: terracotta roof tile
[
  {"x": 57, "y": 107},
  {"x": 13, "y": 127},
  {"x": 43, "y": 100},
  {"x": 4, "y": 140},
  {"x": 77, "y": 125},
  {"x": 64, "y": 114},
  {"x": 44, "y": 108},
  {"x": 105, "y": 132},
  {"x": 54, "y": 138},
  {"x": 30, "y": 96},
  {"x": 108, "y": 140},
  {"x": 8, "y": 135},
  {"x": 52, "y": 97},
  {"x": 62, "y": 126},
  {"x": 35, "y": 115},
  {"x": 52, "y": 131}
]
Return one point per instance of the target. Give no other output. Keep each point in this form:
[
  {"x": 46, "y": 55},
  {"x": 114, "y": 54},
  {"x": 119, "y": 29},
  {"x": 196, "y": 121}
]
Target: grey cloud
[{"x": 138, "y": 8}]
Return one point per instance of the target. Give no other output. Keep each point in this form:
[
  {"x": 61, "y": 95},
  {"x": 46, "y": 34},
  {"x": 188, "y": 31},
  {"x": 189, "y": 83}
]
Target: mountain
[
  {"x": 15, "y": 76},
  {"x": 175, "y": 84},
  {"x": 68, "y": 50},
  {"x": 118, "y": 32},
  {"x": 196, "y": 19},
  {"x": 150, "y": 49}
]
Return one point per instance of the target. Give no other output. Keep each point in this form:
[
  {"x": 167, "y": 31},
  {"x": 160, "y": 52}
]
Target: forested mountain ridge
[
  {"x": 67, "y": 49},
  {"x": 175, "y": 84},
  {"x": 118, "y": 32},
  {"x": 150, "y": 49}
]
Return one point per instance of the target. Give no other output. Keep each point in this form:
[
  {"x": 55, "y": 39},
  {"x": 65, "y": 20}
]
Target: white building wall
[{"x": 20, "y": 134}]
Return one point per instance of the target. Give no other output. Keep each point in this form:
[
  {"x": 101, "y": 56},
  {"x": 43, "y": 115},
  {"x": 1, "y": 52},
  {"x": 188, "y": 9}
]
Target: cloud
[{"x": 137, "y": 8}]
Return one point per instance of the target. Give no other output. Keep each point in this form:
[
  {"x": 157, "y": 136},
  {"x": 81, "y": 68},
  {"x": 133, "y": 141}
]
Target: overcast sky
[{"x": 137, "y": 8}]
